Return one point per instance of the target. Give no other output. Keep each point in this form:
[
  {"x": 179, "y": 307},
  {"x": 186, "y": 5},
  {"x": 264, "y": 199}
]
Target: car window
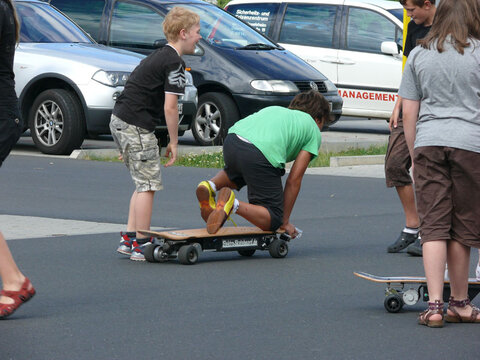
[
  {"x": 367, "y": 29},
  {"x": 259, "y": 16},
  {"x": 86, "y": 13},
  {"x": 134, "y": 25},
  {"x": 398, "y": 13},
  {"x": 41, "y": 23},
  {"x": 222, "y": 29},
  {"x": 308, "y": 24}
]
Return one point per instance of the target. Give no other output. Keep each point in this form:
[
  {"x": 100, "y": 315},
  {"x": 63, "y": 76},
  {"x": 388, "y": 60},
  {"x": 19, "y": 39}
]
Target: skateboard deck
[
  {"x": 202, "y": 233},
  {"x": 396, "y": 294},
  {"x": 186, "y": 245},
  {"x": 402, "y": 279}
]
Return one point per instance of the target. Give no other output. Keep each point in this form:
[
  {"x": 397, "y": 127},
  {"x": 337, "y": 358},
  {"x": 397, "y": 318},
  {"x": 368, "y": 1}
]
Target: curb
[
  {"x": 82, "y": 154},
  {"x": 337, "y": 161}
]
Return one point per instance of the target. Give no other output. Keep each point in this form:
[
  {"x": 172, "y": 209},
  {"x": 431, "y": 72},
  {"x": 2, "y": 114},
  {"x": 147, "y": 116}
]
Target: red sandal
[
  {"x": 19, "y": 297},
  {"x": 456, "y": 317},
  {"x": 433, "y": 309}
]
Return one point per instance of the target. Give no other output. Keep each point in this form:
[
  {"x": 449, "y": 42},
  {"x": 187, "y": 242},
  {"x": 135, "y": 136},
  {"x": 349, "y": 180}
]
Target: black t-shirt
[
  {"x": 7, "y": 51},
  {"x": 141, "y": 102},
  {"x": 414, "y": 32}
]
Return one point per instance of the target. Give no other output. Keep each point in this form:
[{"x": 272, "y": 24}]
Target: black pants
[
  {"x": 246, "y": 165},
  {"x": 11, "y": 127}
]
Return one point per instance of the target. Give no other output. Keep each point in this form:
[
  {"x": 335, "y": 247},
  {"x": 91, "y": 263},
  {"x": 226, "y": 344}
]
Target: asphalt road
[{"x": 94, "y": 304}]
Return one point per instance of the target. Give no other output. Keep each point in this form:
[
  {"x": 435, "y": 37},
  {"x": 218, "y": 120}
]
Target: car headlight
[
  {"x": 277, "y": 86},
  {"x": 330, "y": 86},
  {"x": 111, "y": 78},
  {"x": 189, "y": 78}
]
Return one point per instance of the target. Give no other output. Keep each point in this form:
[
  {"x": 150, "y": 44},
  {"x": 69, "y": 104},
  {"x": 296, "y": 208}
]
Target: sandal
[
  {"x": 19, "y": 297},
  {"x": 433, "y": 309},
  {"x": 456, "y": 317}
]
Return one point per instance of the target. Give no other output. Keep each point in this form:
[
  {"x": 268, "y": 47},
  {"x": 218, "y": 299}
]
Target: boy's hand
[
  {"x": 290, "y": 229},
  {"x": 393, "y": 122},
  {"x": 171, "y": 152}
]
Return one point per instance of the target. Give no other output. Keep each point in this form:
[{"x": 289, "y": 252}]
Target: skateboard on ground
[
  {"x": 187, "y": 245},
  {"x": 410, "y": 289}
]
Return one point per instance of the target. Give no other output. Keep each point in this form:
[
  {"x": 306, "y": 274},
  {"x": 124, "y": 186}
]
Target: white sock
[
  {"x": 212, "y": 184},
  {"x": 236, "y": 204},
  {"x": 413, "y": 231}
]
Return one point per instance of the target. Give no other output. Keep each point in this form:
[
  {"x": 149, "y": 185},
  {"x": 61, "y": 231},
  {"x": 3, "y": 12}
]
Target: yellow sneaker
[
  {"x": 226, "y": 199},
  {"x": 206, "y": 199}
]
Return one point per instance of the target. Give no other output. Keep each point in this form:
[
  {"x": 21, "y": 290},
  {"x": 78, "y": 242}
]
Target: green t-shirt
[{"x": 280, "y": 133}]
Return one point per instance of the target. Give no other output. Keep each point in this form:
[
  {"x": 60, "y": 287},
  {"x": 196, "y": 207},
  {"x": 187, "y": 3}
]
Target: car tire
[
  {"x": 216, "y": 113},
  {"x": 56, "y": 122}
]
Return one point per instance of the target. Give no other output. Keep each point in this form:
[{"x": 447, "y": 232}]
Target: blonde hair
[
  {"x": 17, "y": 22},
  {"x": 177, "y": 19}
]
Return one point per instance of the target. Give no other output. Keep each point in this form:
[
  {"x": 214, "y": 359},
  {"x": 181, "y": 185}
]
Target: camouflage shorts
[{"x": 140, "y": 152}]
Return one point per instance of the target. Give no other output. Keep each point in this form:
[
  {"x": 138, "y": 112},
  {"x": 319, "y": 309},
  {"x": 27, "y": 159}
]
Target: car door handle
[
  {"x": 346, "y": 61},
  {"x": 330, "y": 59}
]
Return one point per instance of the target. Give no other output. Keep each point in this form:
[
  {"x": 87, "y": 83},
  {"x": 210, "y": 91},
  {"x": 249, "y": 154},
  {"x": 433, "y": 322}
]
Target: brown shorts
[
  {"x": 447, "y": 186},
  {"x": 397, "y": 159}
]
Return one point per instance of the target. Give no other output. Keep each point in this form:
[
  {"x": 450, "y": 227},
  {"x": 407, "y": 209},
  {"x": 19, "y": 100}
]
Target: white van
[{"x": 355, "y": 43}]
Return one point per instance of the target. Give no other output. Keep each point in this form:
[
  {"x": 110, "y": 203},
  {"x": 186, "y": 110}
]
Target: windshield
[
  {"x": 222, "y": 29},
  {"x": 398, "y": 13},
  {"x": 40, "y": 23}
]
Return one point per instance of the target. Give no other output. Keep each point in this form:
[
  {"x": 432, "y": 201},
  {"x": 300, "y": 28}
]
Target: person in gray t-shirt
[{"x": 441, "y": 86}]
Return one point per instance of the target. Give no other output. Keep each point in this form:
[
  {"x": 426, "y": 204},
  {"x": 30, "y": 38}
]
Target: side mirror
[{"x": 389, "y": 48}]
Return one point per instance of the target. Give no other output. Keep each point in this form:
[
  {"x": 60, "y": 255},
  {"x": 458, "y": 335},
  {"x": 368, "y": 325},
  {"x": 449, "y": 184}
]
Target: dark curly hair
[{"x": 314, "y": 104}]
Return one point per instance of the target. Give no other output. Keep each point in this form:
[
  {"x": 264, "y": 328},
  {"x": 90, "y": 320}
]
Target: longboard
[
  {"x": 202, "y": 233},
  {"x": 186, "y": 245},
  {"x": 396, "y": 296}
]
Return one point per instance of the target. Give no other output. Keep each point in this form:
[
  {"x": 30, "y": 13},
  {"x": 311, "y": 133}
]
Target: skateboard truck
[{"x": 396, "y": 296}]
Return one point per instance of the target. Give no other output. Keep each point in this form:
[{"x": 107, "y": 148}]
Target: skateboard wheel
[
  {"x": 393, "y": 303},
  {"x": 278, "y": 248},
  {"x": 188, "y": 254},
  {"x": 148, "y": 252},
  {"x": 410, "y": 297},
  {"x": 249, "y": 252}
]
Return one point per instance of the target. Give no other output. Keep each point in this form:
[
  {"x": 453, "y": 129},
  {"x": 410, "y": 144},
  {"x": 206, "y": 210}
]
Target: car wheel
[
  {"x": 56, "y": 122},
  {"x": 216, "y": 113}
]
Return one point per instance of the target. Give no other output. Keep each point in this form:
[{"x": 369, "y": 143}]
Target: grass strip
[{"x": 215, "y": 160}]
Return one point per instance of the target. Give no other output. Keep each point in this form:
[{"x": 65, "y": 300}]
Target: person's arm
[
  {"x": 410, "y": 115},
  {"x": 171, "y": 117},
  {"x": 292, "y": 188},
  {"x": 395, "y": 114}
]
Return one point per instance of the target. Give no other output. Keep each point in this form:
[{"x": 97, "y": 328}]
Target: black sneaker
[
  {"x": 402, "y": 242},
  {"x": 415, "y": 249}
]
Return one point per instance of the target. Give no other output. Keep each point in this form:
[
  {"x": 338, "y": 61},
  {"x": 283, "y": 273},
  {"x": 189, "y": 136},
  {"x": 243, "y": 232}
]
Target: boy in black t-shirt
[
  {"x": 397, "y": 160},
  {"x": 152, "y": 91}
]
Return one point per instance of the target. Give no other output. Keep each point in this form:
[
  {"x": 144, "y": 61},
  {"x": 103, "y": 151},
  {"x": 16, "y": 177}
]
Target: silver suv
[{"x": 67, "y": 84}]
